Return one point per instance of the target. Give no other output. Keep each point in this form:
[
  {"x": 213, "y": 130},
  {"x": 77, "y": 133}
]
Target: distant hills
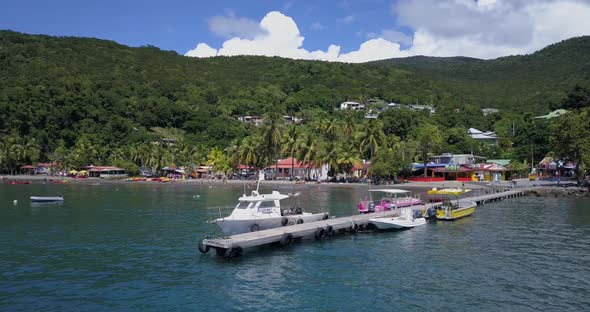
[
  {"x": 62, "y": 87},
  {"x": 523, "y": 82}
]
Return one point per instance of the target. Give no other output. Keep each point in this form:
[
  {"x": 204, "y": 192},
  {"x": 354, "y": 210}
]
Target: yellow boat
[
  {"x": 455, "y": 210},
  {"x": 447, "y": 191}
]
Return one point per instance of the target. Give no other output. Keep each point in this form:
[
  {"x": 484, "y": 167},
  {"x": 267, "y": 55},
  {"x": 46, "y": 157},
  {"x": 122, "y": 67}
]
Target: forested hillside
[
  {"x": 65, "y": 87},
  {"x": 525, "y": 82},
  {"x": 80, "y": 101}
]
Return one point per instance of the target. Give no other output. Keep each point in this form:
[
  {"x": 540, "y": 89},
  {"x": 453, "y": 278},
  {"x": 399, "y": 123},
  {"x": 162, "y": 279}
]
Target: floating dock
[{"x": 233, "y": 246}]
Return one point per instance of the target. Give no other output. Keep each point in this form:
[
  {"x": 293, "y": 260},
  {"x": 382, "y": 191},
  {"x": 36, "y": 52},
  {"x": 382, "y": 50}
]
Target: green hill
[
  {"x": 61, "y": 88},
  {"x": 525, "y": 82}
]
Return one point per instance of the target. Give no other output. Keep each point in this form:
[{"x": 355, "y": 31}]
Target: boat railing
[{"x": 214, "y": 213}]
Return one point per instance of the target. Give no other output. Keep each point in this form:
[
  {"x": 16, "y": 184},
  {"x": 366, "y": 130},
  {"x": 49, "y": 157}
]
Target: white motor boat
[
  {"x": 408, "y": 219},
  {"x": 258, "y": 212},
  {"x": 45, "y": 199}
]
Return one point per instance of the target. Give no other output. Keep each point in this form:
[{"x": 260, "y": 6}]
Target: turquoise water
[{"x": 133, "y": 248}]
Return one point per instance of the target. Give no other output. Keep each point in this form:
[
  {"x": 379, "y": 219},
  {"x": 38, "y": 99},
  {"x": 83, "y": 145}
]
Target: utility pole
[{"x": 532, "y": 157}]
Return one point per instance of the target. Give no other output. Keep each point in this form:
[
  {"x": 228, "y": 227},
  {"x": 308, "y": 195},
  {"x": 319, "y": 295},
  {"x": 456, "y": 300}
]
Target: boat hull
[
  {"x": 397, "y": 223},
  {"x": 38, "y": 199},
  {"x": 237, "y": 226},
  {"x": 456, "y": 213}
]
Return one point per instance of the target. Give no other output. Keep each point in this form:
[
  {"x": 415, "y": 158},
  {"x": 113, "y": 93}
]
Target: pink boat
[{"x": 393, "y": 198}]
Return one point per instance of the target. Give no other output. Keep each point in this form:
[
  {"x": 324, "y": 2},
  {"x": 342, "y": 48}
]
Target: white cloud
[
  {"x": 281, "y": 37},
  {"x": 348, "y": 19},
  {"x": 316, "y": 26},
  {"x": 393, "y": 36},
  {"x": 231, "y": 26},
  {"x": 202, "y": 50},
  {"x": 491, "y": 28},
  {"x": 484, "y": 29}
]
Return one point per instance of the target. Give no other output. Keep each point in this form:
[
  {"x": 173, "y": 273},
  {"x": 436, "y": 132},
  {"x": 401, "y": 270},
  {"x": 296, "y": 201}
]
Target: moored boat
[
  {"x": 448, "y": 191},
  {"x": 393, "y": 198},
  {"x": 44, "y": 199},
  {"x": 409, "y": 218},
  {"x": 453, "y": 210},
  {"x": 257, "y": 212},
  {"x": 18, "y": 182}
]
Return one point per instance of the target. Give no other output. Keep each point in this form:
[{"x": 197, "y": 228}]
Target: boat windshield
[
  {"x": 267, "y": 204},
  {"x": 243, "y": 205}
]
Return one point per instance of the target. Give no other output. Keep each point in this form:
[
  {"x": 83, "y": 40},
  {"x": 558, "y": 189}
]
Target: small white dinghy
[
  {"x": 405, "y": 221},
  {"x": 45, "y": 199}
]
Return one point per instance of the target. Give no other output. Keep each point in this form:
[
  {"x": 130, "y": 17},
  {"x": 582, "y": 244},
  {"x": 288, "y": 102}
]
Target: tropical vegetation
[{"x": 80, "y": 101}]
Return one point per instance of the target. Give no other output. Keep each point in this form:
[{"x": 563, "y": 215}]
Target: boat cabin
[{"x": 256, "y": 205}]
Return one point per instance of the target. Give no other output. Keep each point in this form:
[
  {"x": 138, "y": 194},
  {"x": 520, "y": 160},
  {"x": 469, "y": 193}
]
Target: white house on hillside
[
  {"x": 352, "y": 105},
  {"x": 488, "y": 136},
  {"x": 415, "y": 107},
  {"x": 488, "y": 111}
]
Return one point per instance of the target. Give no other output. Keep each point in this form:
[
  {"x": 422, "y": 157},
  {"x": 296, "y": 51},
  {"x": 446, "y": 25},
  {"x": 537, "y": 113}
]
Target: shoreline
[{"x": 410, "y": 185}]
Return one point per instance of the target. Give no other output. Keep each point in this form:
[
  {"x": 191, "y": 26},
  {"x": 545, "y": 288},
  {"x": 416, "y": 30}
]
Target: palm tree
[
  {"x": 271, "y": 136},
  {"x": 8, "y": 153},
  {"x": 331, "y": 155},
  {"x": 233, "y": 152},
  {"x": 310, "y": 152},
  {"x": 250, "y": 151},
  {"x": 348, "y": 158},
  {"x": 372, "y": 136},
  {"x": 291, "y": 144},
  {"x": 27, "y": 151},
  {"x": 135, "y": 153},
  {"x": 62, "y": 157},
  {"x": 158, "y": 157},
  {"x": 145, "y": 152},
  {"x": 329, "y": 127},
  {"x": 117, "y": 155},
  {"x": 192, "y": 156},
  {"x": 349, "y": 125},
  {"x": 218, "y": 160},
  {"x": 84, "y": 153},
  {"x": 428, "y": 138}
]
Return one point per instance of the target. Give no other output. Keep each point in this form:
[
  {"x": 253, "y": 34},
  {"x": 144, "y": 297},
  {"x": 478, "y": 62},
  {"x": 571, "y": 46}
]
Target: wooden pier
[{"x": 233, "y": 246}]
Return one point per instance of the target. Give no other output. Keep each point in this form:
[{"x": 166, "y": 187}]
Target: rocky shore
[{"x": 561, "y": 191}]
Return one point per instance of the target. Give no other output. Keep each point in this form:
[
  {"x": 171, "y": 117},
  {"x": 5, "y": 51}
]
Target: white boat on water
[
  {"x": 44, "y": 199},
  {"x": 258, "y": 212},
  {"x": 408, "y": 219}
]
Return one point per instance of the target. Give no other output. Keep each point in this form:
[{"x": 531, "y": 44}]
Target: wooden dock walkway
[{"x": 232, "y": 246}]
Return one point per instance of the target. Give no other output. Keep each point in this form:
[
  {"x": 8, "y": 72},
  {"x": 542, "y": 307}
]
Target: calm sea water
[{"x": 133, "y": 248}]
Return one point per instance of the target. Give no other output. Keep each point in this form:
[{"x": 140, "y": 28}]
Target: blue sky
[{"x": 486, "y": 29}]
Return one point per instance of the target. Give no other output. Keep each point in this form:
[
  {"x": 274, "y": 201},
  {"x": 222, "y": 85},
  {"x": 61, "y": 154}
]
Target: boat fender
[
  {"x": 319, "y": 233},
  {"x": 233, "y": 252},
  {"x": 326, "y": 215},
  {"x": 329, "y": 231},
  {"x": 354, "y": 228},
  {"x": 284, "y": 221},
  {"x": 299, "y": 221},
  {"x": 254, "y": 228},
  {"x": 286, "y": 240},
  {"x": 298, "y": 210},
  {"x": 204, "y": 248}
]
